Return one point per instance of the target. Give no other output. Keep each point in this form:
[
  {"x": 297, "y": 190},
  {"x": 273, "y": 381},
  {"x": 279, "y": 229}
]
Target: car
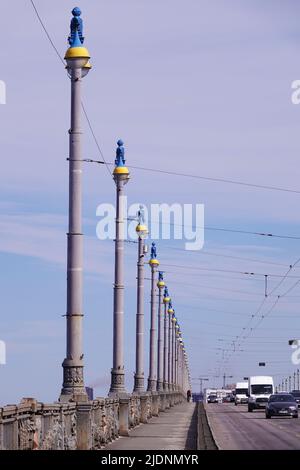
[
  {"x": 212, "y": 399},
  {"x": 226, "y": 399},
  {"x": 281, "y": 404},
  {"x": 296, "y": 395}
]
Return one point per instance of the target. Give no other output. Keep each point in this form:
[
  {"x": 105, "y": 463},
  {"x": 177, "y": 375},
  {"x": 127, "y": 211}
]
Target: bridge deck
[{"x": 174, "y": 429}]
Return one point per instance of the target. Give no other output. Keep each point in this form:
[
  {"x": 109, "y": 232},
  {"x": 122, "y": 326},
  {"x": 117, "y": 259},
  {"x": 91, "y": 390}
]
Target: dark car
[
  {"x": 226, "y": 399},
  {"x": 282, "y": 405},
  {"x": 212, "y": 399},
  {"x": 296, "y": 395}
]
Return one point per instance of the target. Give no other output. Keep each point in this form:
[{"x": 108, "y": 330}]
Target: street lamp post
[
  {"x": 160, "y": 350},
  {"x": 142, "y": 231},
  {"x": 152, "y": 379},
  {"x": 77, "y": 59},
  {"x": 170, "y": 313},
  {"x": 121, "y": 177},
  {"x": 181, "y": 360},
  {"x": 177, "y": 359},
  {"x": 166, "y": 300},
  {"x": 173, "y": 351}
]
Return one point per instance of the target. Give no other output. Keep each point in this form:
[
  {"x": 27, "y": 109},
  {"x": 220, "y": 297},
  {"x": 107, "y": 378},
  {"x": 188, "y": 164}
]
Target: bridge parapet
[{"x": 32, "y": 425}]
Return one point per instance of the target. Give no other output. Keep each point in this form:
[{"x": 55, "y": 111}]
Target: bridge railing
[{"x": 88, "y": 425}]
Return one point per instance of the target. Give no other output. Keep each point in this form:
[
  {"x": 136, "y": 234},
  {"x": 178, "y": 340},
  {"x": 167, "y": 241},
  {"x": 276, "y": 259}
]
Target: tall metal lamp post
[
  {"x": 142, "y": 232},
  {"x": 121, "y": 177},
  {"x": 77, "y": 59},
  {"x": 160, "y": 339},
  {"x": 166, "y": 300},
  {"x": 152, "y": 379},
  {"x": 170, "y": 358}
]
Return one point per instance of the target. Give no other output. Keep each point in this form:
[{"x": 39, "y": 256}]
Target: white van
[
  {"x": 260, "y": 388},
  {"x": 241, "y": 393}
]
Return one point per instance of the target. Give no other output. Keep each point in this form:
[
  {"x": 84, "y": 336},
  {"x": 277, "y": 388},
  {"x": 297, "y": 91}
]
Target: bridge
[
  {"x": 155, "y": 414},
  {"x": 76, "y": 420}
]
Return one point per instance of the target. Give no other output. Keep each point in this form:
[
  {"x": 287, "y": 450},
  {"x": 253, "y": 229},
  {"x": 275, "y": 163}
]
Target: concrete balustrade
[{"x": 83, "y": 425}]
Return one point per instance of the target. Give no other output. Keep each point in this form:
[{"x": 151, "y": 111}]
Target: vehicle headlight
[{"x": 292, "y": 407}]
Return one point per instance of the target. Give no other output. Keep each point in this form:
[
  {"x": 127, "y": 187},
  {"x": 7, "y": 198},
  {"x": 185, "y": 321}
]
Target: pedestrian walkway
[{"x": 174, "y": 429}]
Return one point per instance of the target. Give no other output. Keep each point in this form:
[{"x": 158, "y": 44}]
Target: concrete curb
[
  {"x": 211, "y": 430},
  {"x": 205, "y": 437}
]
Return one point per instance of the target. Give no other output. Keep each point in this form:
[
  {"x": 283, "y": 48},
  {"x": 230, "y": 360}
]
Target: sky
[{"x": 200, "y": 87}]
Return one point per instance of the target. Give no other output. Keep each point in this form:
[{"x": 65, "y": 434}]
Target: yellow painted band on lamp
[
  {"x": 77, "y": 52},
  {"x": 121, "y": 170},
  {"x": 141, "y": 228}
]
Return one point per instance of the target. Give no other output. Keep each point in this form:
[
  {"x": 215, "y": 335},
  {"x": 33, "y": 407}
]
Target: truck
[
  {"x": 260, "y": 388},
  {"x": 241, "y": 393}
]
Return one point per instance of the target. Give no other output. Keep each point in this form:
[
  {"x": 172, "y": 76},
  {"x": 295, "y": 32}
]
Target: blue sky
[{"x": 200, "y": 87}]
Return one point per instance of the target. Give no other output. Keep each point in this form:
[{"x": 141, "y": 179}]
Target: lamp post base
[
  {"x": 151, "y": 385},
  {"x": 160, "y": 386},
  {"x": 73, "y": 388},
  {"x": 138, "y": 384},
  {"x": 117, "y": 386}
]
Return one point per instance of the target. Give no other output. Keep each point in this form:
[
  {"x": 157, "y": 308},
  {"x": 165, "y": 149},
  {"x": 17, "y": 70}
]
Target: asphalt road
[{"x": 234, "y": 428}]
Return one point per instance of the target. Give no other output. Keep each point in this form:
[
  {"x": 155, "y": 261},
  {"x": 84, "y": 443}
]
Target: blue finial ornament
[
  {"x": 170, "y": 304},
  {"x": 153, "y": 251},
  {"x": 76, "y": 38},
  {"x": 160, "y": 276},
  {"x": 141, "y": 215},
  {"x": 120, "y": 154},
  {"x": 166, "y": 292}
]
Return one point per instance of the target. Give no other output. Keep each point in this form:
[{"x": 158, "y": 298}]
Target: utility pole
[
  {"x": 160, "y": 350},
  {"x": 152, "y": 379},
  {"x": 142, "y": 231},
  {"x": 201, "y": 380},
  {"x": 166, "y": 300},
  {"x": 121, "y": 177},
  {"x": 226, "y": 377},
  {"x": 77, "y": 58}
]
